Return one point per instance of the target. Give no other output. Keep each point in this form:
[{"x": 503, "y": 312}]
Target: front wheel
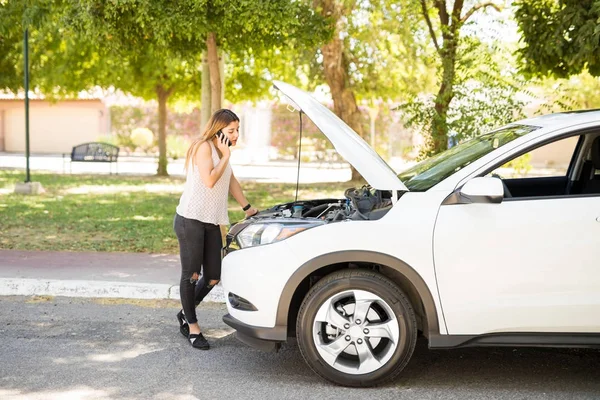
[{"x": 356, "y": 328}]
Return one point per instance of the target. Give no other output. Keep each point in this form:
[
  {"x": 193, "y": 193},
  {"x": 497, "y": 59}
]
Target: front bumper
[
  {"x": 266, "y": 339},
  {"x": 258, "y": 275}
]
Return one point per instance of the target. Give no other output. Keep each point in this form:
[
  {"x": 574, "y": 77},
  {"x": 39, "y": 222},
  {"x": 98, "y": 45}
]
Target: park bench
[{"x": 94, "y": 152}]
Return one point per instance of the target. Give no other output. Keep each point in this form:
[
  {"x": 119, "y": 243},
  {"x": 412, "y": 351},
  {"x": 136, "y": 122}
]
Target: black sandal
[
  {"x": 184, "y": 328},
  {"x": 198, "y": 341}
]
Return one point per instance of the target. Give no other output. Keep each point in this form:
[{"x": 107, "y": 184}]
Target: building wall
[
  {"x": 2, "y": 113},
  {"x": 53, "y": 128},
  {"x": 557, "y": 154},
  {"x": 255, "y": 130}
]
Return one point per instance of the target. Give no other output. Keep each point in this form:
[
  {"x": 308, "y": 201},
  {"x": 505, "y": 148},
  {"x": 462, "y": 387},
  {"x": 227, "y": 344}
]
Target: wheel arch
[{"x": 397, "y": 270}]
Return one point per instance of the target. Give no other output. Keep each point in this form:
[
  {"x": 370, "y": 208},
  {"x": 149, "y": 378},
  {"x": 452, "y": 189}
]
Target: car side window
[{"x": 550, "y": 160}]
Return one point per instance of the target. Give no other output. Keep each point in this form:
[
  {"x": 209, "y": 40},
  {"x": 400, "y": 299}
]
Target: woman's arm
[
  {"x": 209, "y": 173},
  {"x": 236, "y": 191}
]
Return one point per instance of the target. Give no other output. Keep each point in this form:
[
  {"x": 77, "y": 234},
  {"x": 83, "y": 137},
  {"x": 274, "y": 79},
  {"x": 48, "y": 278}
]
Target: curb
[{"x": 99, "y": 289}]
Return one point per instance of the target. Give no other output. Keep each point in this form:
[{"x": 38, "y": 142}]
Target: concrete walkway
[
  {"x": 276, "y": 172},
  {"x": 93, "y": 274}
]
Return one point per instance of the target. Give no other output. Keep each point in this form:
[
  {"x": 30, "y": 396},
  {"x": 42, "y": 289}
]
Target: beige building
[{"x": 53, "y": 127}]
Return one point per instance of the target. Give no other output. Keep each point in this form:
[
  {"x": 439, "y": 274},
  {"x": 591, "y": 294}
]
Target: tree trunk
[
  {"x": 205, "y": 96},
  {"x": 450, "y": 25},
  {"x": 335, "y": 67},
  {"x": 439, "y": 125},
  {"x": 447, "y": 50},
  {"x": 215, "y": 75},
  {"x": 163, "y": 95}
]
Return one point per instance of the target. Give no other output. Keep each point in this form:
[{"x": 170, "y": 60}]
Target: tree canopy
[
  {"x": 561, "y": 37},
  {"x": 61, "y": 63},
  {"x": 423, "y": 53},
  {"x": 149, "y": 48}
]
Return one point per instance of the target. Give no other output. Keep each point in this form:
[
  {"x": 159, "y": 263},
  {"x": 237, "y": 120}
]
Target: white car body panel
[
  {"x": 520, "y": 266},
  {"x": 405, "y": 233},
  {"x": 259, "y": 275},
  {"x": 562, "y": 120}
]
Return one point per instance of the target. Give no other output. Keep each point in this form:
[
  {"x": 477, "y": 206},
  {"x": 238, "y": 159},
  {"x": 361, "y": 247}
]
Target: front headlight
[{"x": 271, "y": 232}]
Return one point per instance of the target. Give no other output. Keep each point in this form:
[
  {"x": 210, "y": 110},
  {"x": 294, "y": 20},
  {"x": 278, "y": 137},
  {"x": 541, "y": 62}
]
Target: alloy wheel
[{"x": 355, "y": 332}]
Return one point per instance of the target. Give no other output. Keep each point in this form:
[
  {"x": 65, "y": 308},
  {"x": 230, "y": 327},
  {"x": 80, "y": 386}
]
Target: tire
[{"x": 360, "y": 353}]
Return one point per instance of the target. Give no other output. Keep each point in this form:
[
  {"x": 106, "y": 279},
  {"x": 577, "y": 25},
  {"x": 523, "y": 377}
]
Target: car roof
[{"x": 562, "y": 119}]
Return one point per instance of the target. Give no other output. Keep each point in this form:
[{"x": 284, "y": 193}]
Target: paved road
[{"x": 94, "y": 349}]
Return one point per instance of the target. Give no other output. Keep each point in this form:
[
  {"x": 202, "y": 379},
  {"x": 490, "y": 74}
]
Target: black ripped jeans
[{"x": 200, "y": 247}]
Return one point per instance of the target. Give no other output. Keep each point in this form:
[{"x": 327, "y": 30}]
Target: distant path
[{"x": 277, "y": 172}]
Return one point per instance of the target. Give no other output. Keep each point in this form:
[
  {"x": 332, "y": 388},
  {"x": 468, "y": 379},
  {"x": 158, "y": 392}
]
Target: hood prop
[{"x": 299, "y": 155}]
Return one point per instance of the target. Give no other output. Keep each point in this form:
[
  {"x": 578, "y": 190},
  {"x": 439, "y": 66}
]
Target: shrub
[
  {"x": 520, "y": 165},
  {"x": 124, "y": 142},
  {"x": 177, "y": 146},
  {"x": 142, "y": 137},
  {"x": 110, "y": 139}
]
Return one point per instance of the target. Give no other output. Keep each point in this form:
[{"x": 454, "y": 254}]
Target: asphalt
[
  {"x": 92, "y": 274},
  {"x": 101, "y": 349}
]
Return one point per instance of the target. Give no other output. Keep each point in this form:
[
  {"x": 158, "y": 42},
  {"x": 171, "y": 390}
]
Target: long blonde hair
[{"x": 219, "y": 120}]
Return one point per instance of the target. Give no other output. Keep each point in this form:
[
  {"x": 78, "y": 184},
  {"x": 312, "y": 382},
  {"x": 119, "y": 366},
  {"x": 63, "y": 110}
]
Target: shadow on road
[{"x": 75, "y": 348}]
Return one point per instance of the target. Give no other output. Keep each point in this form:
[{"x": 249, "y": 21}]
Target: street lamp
[
  {"x": 27, "y": 187},
  {"x": 26, "y": 73}
]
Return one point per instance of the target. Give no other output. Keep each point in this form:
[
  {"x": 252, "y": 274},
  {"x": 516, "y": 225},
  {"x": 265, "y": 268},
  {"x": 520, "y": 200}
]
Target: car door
[{"x": 527, "y": 264}]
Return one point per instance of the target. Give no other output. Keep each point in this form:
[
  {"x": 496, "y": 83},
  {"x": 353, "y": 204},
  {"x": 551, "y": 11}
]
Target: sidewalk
[
  {"x": 94, "y": 274},
  {"x": 276, "y": 172}
]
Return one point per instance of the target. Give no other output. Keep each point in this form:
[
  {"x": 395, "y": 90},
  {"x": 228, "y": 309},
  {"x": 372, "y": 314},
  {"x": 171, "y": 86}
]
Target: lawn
[{"x": 114, "y": 213}]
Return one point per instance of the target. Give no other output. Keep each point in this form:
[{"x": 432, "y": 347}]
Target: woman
[{"x": 202, "y": 208}]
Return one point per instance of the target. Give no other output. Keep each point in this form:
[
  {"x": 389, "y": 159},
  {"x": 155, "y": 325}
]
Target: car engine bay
[
  {"x": 362, "y": 204},
  {"x": 359, "y": 204}
]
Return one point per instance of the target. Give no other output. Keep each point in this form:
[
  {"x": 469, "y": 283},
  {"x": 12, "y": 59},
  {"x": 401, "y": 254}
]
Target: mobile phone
[{"x": 220, "y": 135}]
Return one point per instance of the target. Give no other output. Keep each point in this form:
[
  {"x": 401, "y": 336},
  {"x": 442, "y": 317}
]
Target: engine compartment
[{"x": 359, "y": 204}]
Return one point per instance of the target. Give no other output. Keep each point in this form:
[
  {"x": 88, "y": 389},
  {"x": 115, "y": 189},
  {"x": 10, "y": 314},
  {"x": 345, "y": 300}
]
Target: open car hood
[{"x": 347, "y": 142}]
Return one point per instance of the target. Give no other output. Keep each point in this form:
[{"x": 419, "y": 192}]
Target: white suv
[{"x": 448, "y": 248}]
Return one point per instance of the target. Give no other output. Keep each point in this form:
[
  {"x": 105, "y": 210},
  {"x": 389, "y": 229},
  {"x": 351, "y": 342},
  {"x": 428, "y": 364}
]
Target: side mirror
[
  {"x": 486, "y": 190},
  {"x": 482, "y": 190}
]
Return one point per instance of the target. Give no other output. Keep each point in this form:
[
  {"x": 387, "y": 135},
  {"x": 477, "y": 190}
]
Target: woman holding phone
[{"x": 202, "y": 208}]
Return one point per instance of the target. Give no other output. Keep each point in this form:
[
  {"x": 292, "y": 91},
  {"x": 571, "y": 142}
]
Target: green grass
[{"x": 114, "y": 213}]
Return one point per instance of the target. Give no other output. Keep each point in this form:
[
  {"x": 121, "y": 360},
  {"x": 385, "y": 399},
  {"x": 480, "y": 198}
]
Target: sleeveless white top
[{"x": 205, "y": 204}]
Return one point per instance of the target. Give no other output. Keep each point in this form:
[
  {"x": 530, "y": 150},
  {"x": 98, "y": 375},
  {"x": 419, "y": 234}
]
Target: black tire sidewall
[{"x": 383, "y": 288}]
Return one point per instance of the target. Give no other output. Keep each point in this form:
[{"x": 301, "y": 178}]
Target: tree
[
  {"x": 143, "y": 44},
  {"x": 61, "y": 64},
  {"x": 70, "y": 54},
  {"x": 446, "y": 38},
  {"x": 368, "y": 58},
  {"x": 257, "y": 29},
  {"x": 335, "y": 68},
  {"x": 488, "y": 92},
  {"x": 147, "y": 48},
  {"x": 162, "y": 40},
  {"x": 11, "y": 46},
  {"x": 374, "y": 55},
  {"x": 562, "y": 37},
  {"x": 582, "y": 90}
]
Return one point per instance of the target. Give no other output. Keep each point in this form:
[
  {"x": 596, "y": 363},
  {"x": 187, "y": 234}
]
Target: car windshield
[{"x": 432, "y": 171}]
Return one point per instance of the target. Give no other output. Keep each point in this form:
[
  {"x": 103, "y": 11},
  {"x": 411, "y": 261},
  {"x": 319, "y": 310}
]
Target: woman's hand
[
  {"x": 223, "y": 146},
  {"x": 251, "y": 211}
]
